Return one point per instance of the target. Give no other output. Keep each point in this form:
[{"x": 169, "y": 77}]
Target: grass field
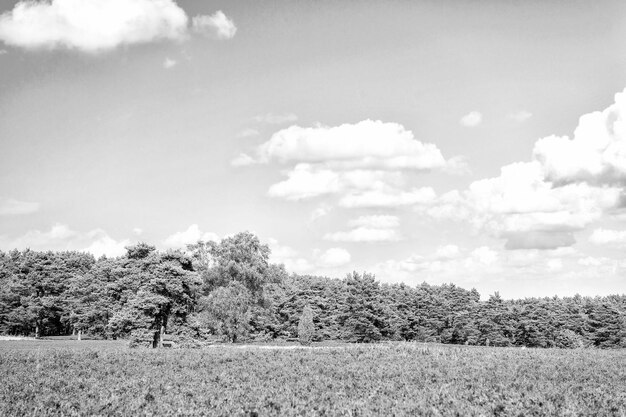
[{"x": 106, "y": 378}]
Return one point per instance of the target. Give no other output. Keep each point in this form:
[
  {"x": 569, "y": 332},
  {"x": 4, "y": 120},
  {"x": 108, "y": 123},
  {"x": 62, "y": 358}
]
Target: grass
[{"x": 105, "y": 378}]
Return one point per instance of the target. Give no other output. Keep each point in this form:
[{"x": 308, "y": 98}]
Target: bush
[{"x": 306, "y": 328}]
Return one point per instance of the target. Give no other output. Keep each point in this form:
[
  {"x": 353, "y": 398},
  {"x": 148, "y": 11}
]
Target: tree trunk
[
  {"x": 80, "y": 334},
  {"x": 37, "y": 331}
]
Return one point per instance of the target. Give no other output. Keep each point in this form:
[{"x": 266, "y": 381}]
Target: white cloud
[
  {"x": 216, "y": 25},
  {"x": 484, "y": 255},
  {"x": 608, "y": 237},
  {"x": 334, "y": 257},
  {"x": 321, "y": 211},
  {"x": 242, "y": 160},
  {"x": 138, "y": 231},
  {"x": 11, "y": 206},
  {"x": 554, "y": 265},
  {"x": 275, "y": 119},
  {"x": 364, "y": 234},
  {"x": 376, "y": 221},
  {"x": 597, "y": 152},
  {"x": 169, "y": 63},
  {"x": 447, "y": 252},
  {"x": 91, "y": 25},
  {"x": 248, "y": 133},
  {"x": 320, "y": 260},
  {"x": 103, "y": 244},
  {"x": 520, "y": 116},
  {"x": 192, "y": 235},
  {"x": 60, "y": 237},
  {"x": 524, "y": 208},
  {"x": 367, "y": 145},
  {"x": 304, "y": 181},
  {"x": 471, "y": 119},
  {"x": 388, "y": 197}
]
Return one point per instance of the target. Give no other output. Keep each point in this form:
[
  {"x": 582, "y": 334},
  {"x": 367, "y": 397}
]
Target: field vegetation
[{"x": 107, "y": 378}]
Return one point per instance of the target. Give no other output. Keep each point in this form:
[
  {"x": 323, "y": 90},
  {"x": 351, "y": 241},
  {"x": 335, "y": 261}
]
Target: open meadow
[{"x": 107, "y": 378}]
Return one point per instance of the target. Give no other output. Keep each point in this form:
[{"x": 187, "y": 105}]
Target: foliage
[
  {"x": 230, "y": 290},
  {"x": 306, "y": 328},
  {"x": 89, "y": 378}
]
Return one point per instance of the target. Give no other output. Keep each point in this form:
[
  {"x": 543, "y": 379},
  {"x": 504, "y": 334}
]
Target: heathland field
[{"x": 107, "y": 378}]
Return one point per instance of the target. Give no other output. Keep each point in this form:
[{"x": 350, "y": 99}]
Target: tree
[
  {"x": 226, "y": 311},
  {"x": 162, "y": 294},
  {"x": 306, "y": 328}
]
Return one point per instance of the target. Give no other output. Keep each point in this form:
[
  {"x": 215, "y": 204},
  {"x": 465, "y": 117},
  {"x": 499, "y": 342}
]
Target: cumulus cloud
[
  {"x": 334, "y": 257},
  {"x": 379, "y": 221},
  {"x": 103, "y": 244},
  {"x": 313, "y": 180},
  {"x": 320, "y": 260},
  {"x": 248, "y": 133},
  {"x": 369, "y": 229},
  {"x": 608, "y": 237},
  {"x": 192, "y": 235},
  {"x": 169, "y": 63},
  {"x": 520, "y": 116},
  {"x": 524, "y": 208},
  {"x": 99, "y": 25},
  {"x": 388, "y": 197},
  {"x": 137, "y": 230},
  {"x": 60, "y": 237},
  {"x": 471, "y": 119},
  {"x": 320, "y": 211},
  {"x": 364, "y": 234},
  {"x": 367, "y": 144},
  {"x": 10, "y": 206},
  {"x": 217, "y": 25},
  {"x": 275, "y": 119},
  {"x": 596, "y": 154}
]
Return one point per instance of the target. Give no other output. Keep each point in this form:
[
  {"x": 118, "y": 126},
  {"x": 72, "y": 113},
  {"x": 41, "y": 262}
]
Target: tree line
[{"x": 230, "y": 291}]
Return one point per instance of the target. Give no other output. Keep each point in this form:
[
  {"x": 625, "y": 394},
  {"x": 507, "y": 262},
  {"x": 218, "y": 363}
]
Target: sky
[{"x": 475, "y": 143}]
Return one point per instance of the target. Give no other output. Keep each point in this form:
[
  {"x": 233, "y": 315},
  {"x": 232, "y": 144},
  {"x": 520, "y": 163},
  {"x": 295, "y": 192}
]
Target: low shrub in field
[{"x": 368, "y": 380}]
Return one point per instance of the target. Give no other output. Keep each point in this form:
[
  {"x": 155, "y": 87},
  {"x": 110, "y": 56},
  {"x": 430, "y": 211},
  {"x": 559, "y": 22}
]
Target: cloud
[
  {"x": 217, "y": 25},
  {"x": 367, "y": 144},
  {"x": 320, "y": 260},
  {"x": 471, "y": 119},
  {"x": 379, "y": 221},
  {"x": 169, "y": 63},
  {"x": 597, "y": 152},
  {"x": 520, "y": 116},
  {"x": 91, "y": 25},
  {"x": 247, "y": 133},
  {"x": 3, "y": 51},
  {"x": 364, "y": 234},
  {"x": 242, "y": 160},
  {"x": 447, "y": 252},
  {"x": 521, "y": 206},
  {"x": 60, "y": 237},
  {"x": 334, "y": 257},
  {"x": 192, "y": 235},
  {"x": 275, "y": 119},
  {"x": 388, "y": 197},
  {"x": 138, "y": 231},
  {"x": 103, "y": 244},
  {"x": 11, "y": 206},
  {"x": 100, "y": 25},
  {"x": 608, "y": 237},
  {"x": 321, "y": 211},
  {"x": 306, "y": 181}
]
